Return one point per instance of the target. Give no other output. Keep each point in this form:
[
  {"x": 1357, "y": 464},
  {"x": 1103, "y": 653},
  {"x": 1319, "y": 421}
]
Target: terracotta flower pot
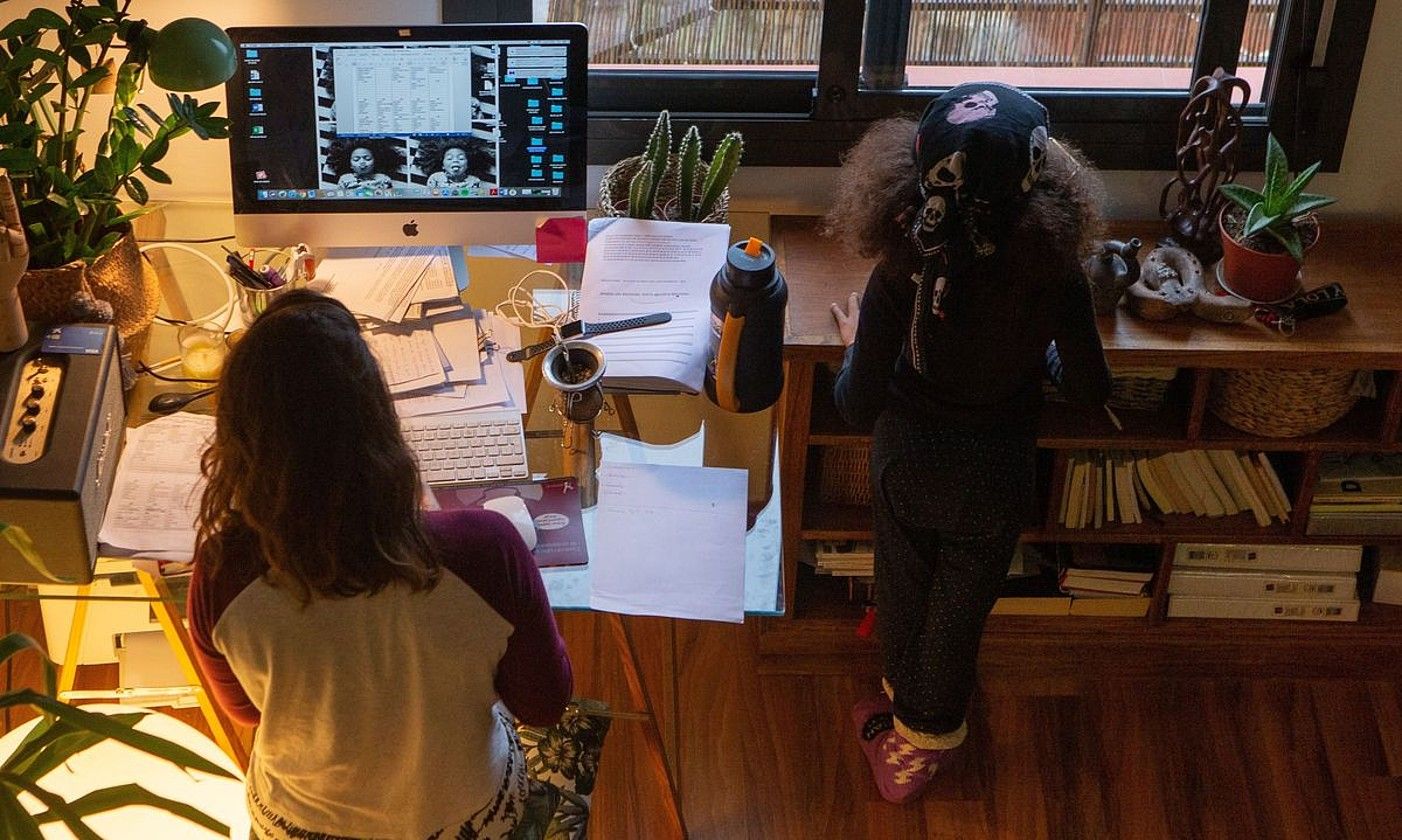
[
  {"x": 1258, "y": 276},
  {"x": 119, "y": 277}
]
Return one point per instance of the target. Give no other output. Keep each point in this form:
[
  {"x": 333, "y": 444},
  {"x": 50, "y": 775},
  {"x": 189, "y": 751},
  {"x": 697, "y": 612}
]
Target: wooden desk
[{"x": 1366, "y": 335}]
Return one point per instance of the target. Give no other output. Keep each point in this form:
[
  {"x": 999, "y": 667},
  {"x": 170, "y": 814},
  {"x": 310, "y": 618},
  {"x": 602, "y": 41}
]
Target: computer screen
[{"x": 379, "y": 135}]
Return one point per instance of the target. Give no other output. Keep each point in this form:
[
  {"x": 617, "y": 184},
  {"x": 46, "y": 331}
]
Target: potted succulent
[
  {"x": 60, "y": 74},
  {"x": 675, "y": 186},
  {"x": 1266, "y": 234},
  {"x": 64, "y": 732}
]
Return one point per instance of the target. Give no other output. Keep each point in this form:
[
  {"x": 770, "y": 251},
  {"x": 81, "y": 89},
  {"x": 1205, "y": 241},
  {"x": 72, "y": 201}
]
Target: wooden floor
[
  {"x": 767, "y": 755},
  {"x": 772, "y": 756}
]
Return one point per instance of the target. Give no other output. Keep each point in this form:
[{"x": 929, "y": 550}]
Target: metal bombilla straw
[{"x": 575, "y": 369}]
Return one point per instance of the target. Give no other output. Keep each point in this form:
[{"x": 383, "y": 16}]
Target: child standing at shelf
[{"x": 979, "y": 223}]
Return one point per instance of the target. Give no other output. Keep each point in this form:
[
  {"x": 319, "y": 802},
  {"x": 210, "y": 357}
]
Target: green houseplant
[
  {"x": 676, "y": 186},
  {"x": 63, "y": 732},
  {"x": 1266, "y": 233},
  {"x": 65, "y": 78}
]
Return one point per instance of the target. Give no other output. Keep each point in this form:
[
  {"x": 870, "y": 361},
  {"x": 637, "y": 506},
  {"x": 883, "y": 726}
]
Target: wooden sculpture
[{"x": 1208, "y": 131}]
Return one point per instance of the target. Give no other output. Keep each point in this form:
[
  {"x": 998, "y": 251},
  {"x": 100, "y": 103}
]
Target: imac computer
[{"x": 432, "y": 135}]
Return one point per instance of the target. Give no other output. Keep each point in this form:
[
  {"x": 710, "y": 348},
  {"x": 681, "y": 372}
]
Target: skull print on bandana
[
  {"x": 979, "y": 150},
  {"x": 974, "y": 107}
]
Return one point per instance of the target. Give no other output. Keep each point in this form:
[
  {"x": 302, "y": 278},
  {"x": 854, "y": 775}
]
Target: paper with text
[
  {"x": 637, "y": 267},
  {"x": 156, "y": 492},
  {"x": 669, "y": 541},
  {"x": 375, "y": 282}
]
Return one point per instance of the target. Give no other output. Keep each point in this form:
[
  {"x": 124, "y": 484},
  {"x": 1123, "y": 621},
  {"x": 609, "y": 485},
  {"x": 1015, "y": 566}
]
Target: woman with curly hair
[
  {"x": 454, "y": 162},
  {"x": 979, "y": 222},
  {"x": 364, "y": 162},
  {"x": 382, "y": 651}
]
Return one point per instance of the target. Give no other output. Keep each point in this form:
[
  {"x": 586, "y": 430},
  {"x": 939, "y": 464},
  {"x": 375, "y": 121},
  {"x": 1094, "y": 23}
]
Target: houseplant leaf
[
  {"x": 1307, "y": 202},
  {"x": 1298, "y": 185},
  {"x": 1290, "y": 238},
  {"x": 119, "y": 796},
  {"x": 1277, "y": 175},
  {"x": 151, "y": 744},
  {"x": 56, "y": 805},
  {"x": 15, "y": 821},
  {"x": 1257, "y": 221},
  {"x": 1241, "y": 195}
]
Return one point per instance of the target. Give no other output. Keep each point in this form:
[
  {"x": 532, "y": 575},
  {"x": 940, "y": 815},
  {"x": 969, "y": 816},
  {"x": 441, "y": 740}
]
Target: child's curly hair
[
  {"x": 878, "y": 193},
  {"x": 388, "y": 153},
  {"x": 429, "y": 157}
]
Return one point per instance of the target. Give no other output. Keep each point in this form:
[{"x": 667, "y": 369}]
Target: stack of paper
[
  {"x": 391, "y": 284},
  {"x": 156, "y": 492},
  {"x": 468, "y": 377},
  {"x": 638, "y": 267}
]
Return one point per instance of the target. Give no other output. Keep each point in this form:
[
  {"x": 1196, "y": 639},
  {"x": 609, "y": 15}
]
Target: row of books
[
  {"x": 1313, "y": 582},
  {"x": 1358, "y": 494},
  {"x": 1102, "y": 487}
]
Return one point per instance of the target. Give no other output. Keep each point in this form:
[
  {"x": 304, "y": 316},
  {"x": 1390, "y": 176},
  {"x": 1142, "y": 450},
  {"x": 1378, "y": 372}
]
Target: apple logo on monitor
[{"x": 411, "y": 228}]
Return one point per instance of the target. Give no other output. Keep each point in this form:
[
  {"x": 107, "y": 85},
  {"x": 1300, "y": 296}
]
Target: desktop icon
[
  {"x": 257, "y": 130},
  {"x": 262, "y": 193},
  {"x": 250, "y": 53},
  {"x": 411, "y": 228},
  {"x": 311, "y": 193},
  {"x": 282, "y": 193},
  {"x": 255, "y": 93},
  {"x": 255, "y": 76},
  {"x": 435, "y": 191},
  {"x": 261, "y": 175},
  {"x": 256, "y": 108}
]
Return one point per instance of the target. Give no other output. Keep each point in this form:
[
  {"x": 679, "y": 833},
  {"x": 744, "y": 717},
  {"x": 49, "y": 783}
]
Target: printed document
[
  {"x": 378, "y": 283},
  {"x": 637, "y": 267},
  {"x": 156, "y": 492},
  {"x": 669, "y": 541}
]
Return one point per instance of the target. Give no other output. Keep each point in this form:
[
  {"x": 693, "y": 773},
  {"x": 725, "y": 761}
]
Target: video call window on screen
[{"x": 420, "y": 120}]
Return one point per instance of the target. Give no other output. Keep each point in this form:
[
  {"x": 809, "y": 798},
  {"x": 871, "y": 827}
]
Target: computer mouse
[{"x": 514, "y": 508}]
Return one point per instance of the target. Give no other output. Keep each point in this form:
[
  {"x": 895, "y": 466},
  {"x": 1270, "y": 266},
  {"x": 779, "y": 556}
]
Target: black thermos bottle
[{"x": 748, "y": 299}]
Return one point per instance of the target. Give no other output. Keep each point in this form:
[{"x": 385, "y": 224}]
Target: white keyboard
[{"x": 464, "y": 448}]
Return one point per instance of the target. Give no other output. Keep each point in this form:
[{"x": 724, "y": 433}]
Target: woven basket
[
  {"x": 613, "y": 191},
  {"x": 844, "y": 476},
  {"x": 119, "y": 277},
  {"x": 1282, "y": 403},
  {"x": 1143, "y": 389}
]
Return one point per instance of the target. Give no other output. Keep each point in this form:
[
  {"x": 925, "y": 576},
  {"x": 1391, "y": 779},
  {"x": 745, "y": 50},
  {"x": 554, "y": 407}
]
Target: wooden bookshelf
[{"x": 1367, "y": 335}]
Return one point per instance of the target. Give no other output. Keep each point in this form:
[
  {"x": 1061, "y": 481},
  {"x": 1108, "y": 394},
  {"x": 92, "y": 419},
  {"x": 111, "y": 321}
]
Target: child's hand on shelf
[{"x": 847, "y": 318}]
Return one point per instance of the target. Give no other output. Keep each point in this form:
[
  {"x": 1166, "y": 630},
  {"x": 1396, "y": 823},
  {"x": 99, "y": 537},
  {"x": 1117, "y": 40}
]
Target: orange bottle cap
[{"x": 753, "y": 247}]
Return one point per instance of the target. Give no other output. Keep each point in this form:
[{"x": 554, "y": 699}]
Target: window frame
[{"x": 809, "y": 119}]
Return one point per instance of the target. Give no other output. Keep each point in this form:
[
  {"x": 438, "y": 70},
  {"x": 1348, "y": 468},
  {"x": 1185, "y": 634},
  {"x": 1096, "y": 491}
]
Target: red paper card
[{"x": 560, "y": 240}]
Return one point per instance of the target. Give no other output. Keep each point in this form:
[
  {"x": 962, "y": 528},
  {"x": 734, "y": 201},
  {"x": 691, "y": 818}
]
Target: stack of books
[
  {"x": 1312, "y": 582},
  {"x": 1358, "y": 494},
  {"x": 1102, "y": 487},
  {"x": 848, "y": 558},
  {"x": 1109, "y": 579}
]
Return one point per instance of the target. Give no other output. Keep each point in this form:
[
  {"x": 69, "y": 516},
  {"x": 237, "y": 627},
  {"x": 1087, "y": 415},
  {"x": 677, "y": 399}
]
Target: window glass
[
  {"x": 1144, "y": 44},
  {"x": 698, "y": 34},
  {"x": 1256, "y": 42}
]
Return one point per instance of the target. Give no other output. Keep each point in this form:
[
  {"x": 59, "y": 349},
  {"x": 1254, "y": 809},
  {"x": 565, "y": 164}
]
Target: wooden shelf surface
[{"x": 1361, "y": 256}]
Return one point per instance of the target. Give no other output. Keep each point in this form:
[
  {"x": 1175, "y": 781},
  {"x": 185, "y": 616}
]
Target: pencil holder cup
[{"x": 253, "y": 302}]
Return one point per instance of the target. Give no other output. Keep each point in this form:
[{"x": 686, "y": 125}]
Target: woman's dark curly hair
[
  {"x": 878, "y": 193},
  {"x": 389, "y": 153},
  {"x": 429, "y": 158}
]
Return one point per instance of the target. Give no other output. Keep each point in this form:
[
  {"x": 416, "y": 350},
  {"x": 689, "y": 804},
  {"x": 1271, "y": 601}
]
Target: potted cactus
[
  {"x": 674, "y": 186},
  {"x": 1265, "y": 234}
]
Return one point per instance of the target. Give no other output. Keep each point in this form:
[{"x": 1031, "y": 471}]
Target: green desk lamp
[{"x": 188, "y": 54}]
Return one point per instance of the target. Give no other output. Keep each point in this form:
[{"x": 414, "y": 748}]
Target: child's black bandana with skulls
[{"x": 979, "y": 150}]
